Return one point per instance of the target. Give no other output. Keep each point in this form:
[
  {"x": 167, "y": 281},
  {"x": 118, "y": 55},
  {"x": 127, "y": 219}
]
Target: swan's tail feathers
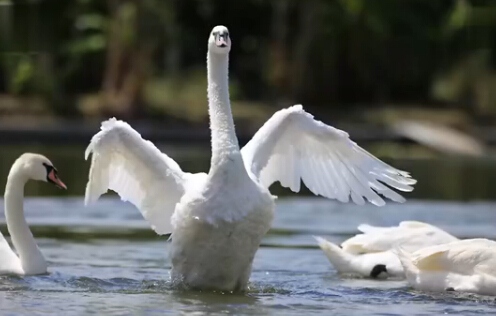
[
  {"x": 406, "y": 260},
  {"x": 340, "y": 259}
]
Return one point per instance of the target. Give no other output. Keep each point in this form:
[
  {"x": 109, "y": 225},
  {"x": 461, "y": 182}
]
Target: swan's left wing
[
  {"x": 124, "y": 162},
  {"x": 464, "y": 256},
  {"x": 292, "y": 146}
]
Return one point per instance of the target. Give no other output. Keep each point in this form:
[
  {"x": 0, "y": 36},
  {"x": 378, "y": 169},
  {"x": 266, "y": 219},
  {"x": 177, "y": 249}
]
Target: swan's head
[
  {"x": 219, "y": 41},
  {"x": 37, "y": 167}
]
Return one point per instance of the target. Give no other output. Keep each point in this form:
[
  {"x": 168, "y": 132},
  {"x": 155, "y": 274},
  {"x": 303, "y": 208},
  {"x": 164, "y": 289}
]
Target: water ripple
[{"x": 106, "y": 260}]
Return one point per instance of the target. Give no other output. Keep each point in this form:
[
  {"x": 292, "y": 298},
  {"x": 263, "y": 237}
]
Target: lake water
[
  {"x": 443, "y": 178},
  {"x": 105, "y": 260}
]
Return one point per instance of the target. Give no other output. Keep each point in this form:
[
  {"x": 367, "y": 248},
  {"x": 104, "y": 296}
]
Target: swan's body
[
  {"x": 218, "y": 230},
  {"x": 370, "y": 254},
  {"x": 464, "y": 266},
  {"x": 217, "y": 220},
  {"x": 30, "y": 260}
]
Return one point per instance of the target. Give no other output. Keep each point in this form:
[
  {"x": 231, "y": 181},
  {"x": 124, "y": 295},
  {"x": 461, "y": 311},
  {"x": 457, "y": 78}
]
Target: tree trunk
[
  {"x": 308, "y": 22},
  {"x": 127, "y": 61},
  {"x": 172, "y": 56},
  {"x": 278, "y": 75}
]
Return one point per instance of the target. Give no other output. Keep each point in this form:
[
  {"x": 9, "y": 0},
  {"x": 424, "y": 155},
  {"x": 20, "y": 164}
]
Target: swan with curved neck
[
  {"x": 30, "y": 260},
  {"x": 217, "y": 220}
]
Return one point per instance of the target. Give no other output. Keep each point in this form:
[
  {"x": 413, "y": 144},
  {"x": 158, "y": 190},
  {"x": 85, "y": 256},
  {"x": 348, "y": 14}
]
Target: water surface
[
  {"x": 441, "y": 178},
  {"x": 104, "y": 260}
]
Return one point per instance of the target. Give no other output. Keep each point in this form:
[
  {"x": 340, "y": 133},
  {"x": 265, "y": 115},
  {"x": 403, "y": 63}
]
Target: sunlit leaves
[
  {"x": 92, "y": 21},
  {"x": 22, "y": 74},
  {"x": 87, "y": 44}
]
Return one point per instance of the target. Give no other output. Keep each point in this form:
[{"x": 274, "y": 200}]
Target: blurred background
[{"x": 414, "y": 82}]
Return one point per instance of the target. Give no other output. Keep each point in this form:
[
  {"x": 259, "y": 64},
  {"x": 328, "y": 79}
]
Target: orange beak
[{"x": 55, "y": 180}]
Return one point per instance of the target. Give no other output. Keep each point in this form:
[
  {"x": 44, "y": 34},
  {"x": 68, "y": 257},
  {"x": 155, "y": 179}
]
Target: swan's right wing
[
  {"x": 411, "y": 235},
  {"x": 138, "y": 171},
  {"x": 366, "y": 228},
  {"x": 376, "y": 238}
]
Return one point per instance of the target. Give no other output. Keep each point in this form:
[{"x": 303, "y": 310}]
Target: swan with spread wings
[{"x": 217, "y": 220}]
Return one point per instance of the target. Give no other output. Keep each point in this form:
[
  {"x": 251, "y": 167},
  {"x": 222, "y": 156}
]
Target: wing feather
[
  {"x": 464, "y": 256},
  {"x": 292, "y": 146},
  {"x": 136, "y": 170},
  {"x": 411, "y": 235}
]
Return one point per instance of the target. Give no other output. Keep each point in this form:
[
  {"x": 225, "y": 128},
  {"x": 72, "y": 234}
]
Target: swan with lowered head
[
  {"x": 370, "y": 254},
  {"x": 30, "y": 260},
  {"x": 462, "y": 266},
  {"x": 217, "y": 220}
]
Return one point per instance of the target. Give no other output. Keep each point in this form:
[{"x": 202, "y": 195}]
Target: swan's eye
[{"x": 49, "y": 168}]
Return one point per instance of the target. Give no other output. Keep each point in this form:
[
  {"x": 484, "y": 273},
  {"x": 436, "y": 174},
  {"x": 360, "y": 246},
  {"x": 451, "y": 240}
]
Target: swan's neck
[
  {"x": 32, "y": 259},
  {"x": 224, "y": 140}
]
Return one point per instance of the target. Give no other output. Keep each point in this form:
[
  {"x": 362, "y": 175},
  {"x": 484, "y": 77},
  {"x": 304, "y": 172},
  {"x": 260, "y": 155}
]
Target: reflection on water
[{"x": 442, "y": 178}]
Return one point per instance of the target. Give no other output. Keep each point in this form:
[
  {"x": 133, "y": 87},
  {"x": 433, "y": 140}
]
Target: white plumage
[
  {"x": 217, "y": 220},
  {"x": 293, "y": 146},
  {"x": 370, "y": 254},
  {"x": 29, "y": 260},
  {"x": 140, "y": 173},
  {"x": 462, "y": 266},
  {"x": 409, "y": 234}
]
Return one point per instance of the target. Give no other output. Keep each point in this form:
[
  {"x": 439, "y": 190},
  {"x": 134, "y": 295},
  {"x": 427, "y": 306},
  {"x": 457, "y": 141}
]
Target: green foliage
[
  {"x": 184, "y": 97},
  {"x": 22, "y": 75},
  {"x": 92, "y": 27},
  {"x": 459, "y": 16},
  {"x": 87, "y": 44},
  {"x": 353, "y": 51}
]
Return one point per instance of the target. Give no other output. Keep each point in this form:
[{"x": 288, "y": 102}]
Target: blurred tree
[
  {"x": 326, "y": 54},
  {"x": 279, "y": 73},
  {"x": 469, "y": 78},
  {"x": 125, "y": 59}
]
